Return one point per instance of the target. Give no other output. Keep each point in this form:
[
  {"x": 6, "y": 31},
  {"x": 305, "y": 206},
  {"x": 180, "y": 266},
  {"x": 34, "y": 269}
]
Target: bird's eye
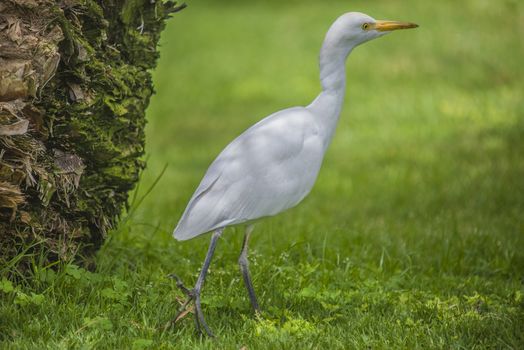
[{"x": 365, "y": 26}]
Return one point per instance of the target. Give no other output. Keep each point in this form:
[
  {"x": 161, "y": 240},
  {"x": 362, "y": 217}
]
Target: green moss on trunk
[{"x": 65, "y": 180}]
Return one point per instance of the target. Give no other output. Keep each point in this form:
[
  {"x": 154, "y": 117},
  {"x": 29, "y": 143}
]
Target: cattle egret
[{"x": 273, "y": 165}]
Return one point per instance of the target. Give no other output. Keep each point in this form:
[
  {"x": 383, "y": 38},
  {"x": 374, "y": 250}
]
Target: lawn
[{"x": 413, "y": 236}]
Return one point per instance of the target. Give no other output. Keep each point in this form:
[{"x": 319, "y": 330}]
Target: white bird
[{"x": 273, "y": 165}]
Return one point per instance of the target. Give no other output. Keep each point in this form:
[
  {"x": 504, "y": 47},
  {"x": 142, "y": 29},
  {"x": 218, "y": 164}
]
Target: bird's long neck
[
  {"x": 328, "y": 104},
  {"x": 332, "y": 66}
]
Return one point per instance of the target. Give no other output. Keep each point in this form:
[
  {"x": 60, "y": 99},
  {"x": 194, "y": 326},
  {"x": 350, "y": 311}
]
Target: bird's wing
[{"x": 253, "y": 168}]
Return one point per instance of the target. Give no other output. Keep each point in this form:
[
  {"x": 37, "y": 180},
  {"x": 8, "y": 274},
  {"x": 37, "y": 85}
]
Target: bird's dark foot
[
  {"x": 193, "y": 296},
  {"x": 258, "y": 312}
]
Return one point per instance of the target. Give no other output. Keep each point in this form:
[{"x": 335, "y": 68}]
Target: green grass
[{"x": 413, "y": 236}]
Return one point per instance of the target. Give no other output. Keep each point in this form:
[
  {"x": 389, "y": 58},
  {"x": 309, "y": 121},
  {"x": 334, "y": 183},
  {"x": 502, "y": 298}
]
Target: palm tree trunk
[{"x": 74, "y": 86}]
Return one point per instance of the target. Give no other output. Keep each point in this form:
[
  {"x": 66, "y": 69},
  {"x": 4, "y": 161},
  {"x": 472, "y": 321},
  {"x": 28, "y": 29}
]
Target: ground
[{"x": 412, "y": 238}]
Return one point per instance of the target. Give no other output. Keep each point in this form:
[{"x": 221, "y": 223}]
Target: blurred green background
[
  {"x": 413, "y": 236},
  {"x": 431, "y": 120},
  {"x": 425, "y": 176}
]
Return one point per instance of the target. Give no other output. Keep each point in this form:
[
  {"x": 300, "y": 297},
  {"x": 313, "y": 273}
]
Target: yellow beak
[{"x": 387, "y": 26}]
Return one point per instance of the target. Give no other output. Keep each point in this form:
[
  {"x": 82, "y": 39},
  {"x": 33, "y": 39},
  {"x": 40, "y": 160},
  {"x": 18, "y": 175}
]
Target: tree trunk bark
[{"x": 74, "y": 86}]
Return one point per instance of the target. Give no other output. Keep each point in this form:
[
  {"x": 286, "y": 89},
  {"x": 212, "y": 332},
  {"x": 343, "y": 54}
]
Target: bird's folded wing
[{"x": 241, "y": 183}]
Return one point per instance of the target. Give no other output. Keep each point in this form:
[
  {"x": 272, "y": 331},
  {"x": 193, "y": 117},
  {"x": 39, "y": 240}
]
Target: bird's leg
[
  {"x": 244, "y": 268},
  {"x": 194, "y": 294}
]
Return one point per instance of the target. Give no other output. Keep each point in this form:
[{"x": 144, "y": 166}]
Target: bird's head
[{"x": 354, "y": 28}]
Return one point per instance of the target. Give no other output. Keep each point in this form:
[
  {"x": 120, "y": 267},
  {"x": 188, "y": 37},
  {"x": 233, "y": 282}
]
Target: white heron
[{"x": 273, "y": 165}]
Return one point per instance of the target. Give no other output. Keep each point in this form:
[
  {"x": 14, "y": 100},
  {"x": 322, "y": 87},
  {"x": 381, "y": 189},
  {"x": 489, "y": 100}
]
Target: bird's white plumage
[
  {"x": 273, "y": 165},
  {"x": 260, "y": 173}
]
